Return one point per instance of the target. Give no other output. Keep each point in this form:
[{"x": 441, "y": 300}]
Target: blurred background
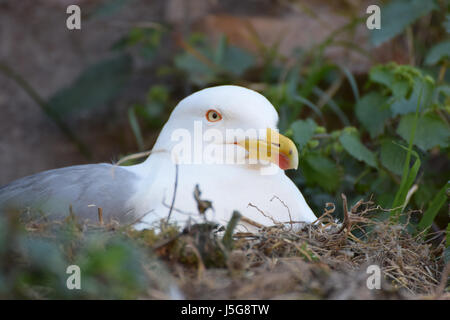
[{"x": 352, "y": 99}]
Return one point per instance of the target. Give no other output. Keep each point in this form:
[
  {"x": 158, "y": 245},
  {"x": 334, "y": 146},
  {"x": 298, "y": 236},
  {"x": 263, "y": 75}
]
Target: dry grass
[{"x": 325, "y": 260}]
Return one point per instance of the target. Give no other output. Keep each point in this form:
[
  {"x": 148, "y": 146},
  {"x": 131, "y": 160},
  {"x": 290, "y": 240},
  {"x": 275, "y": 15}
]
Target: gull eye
[{"x": 213, "y": 115}]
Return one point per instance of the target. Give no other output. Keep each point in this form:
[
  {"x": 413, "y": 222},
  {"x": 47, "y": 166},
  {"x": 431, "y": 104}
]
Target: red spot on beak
[{"x": 283, "y": 161}]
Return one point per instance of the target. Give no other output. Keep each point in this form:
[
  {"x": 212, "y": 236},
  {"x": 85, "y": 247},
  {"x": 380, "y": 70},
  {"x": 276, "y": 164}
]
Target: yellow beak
[{"x": 277, "y": 149}]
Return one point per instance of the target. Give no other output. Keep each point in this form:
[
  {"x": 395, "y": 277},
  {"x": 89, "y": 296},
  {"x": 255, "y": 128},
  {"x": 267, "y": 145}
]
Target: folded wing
[{"x": 85, "y": 188}]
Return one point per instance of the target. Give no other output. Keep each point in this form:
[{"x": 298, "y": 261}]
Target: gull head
[{"x": 226, "y": 124}]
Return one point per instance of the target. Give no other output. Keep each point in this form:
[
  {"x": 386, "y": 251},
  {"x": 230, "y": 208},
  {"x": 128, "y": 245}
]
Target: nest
[{"x": 325, "y": 260}]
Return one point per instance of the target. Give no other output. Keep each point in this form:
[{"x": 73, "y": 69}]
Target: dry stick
[
  {"x": 134, "y": 156},
  {"x": 71, "y": 215},
  {"x": 302, "y": 251},
  {"x": 138, "y": 219},
  {"x": 410, "y": 44},
  {"x": 176, "y": 209},
  {"x": 262, "y": 212},
  {"x": 409, "y": 195},
  {"x": 327, "y": 212},
  {"x": 47, "y": 109},
  {"x": 174, "y": 192},
  {"x": 285, "y": 205},
  {"x": 100, "y": 215},
  {"x": 164, "y": 242},
  {"x": 200, "y": 56},
  {"x": 346, "y": 223},
  {"x": 331, "y": 91},
  {"x": 201, "y": 265},
  {"x": 251, "y": 222},
  {"x": 444, "y": 279},
  {"x": 245, "y": 235},
  {"x": 356, "y": 206}
]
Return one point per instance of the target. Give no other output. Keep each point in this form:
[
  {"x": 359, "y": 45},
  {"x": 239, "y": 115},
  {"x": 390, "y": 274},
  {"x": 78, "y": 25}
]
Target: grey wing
[{"x": 84, "y": 188}]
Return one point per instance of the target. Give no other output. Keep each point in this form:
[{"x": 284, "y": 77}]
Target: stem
[
  {"x": 410, "y": 41},
  {"x": 228, "y": 237},
  {"x": 442, "y": 72},
  {"x": 174, "y": 193},
  {"x": 406, "y": 167}
]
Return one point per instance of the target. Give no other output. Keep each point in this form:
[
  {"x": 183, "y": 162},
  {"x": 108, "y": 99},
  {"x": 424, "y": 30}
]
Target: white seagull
[{"x": 204, "y": 143}]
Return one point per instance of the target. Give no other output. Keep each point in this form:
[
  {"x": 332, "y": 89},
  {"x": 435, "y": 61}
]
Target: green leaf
[
  {"x": 447, "y": 250},
  {"x": 307, "y": 103},
  {"x": 231, "y": 226},
  {"x": 196, "y": 71},
  {"x": 373, "y": 111},
  {"x": 443, "y": 90},
  {"x": 303, "y": 130},
  {"x": 413, "y": 173},
  {"x": 406, "y": 83},
  {"x": 438, "y": 53},
  {"x": 397, "y": 15},
  {"x": 382, "y": 74},
  {"x": 436, "y": 204},
  {"x": 398, "y": 79},
  {"x": 97, "y": 85},
  {"x": 405, "y": 186},
  {"x": 425, "y": 193},
  {"x": 431, "y": 131},
  {"x": 356, "y": 149},
  {"x": 423, "y": 87},
  {"x": 409, "y": 174},
  {"x": 236, "y": 61},
  {"x": 392, "y": 156},
  {"x": 220, "y": 49},
  {"x": 134, "y": 123},
  {"x": 382, "y": 186},
  {"x": 352, "y": 81},
  {"x": 225, "y": 59},
  {"x": 158, "y": 93},
  {"x": 320, "y": 170},
  {"x": 317, "y": 73},
  {"x": 332, "y": 105},
  {"x": 292, "y": 81},
  {"x": 148, "y": 40},
  {"x": 232, "y": 59},
  {"x": 134, "y": 36}
]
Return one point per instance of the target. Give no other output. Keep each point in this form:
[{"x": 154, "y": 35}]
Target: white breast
[{"x": 265, "y": 199}]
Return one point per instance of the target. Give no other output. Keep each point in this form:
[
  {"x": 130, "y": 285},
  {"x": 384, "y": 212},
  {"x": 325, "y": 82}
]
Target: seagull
[{"x": 220, "y": 146}]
